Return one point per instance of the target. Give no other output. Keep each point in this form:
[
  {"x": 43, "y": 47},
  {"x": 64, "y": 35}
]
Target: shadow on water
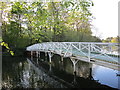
[{"x": 39, "y": 73}]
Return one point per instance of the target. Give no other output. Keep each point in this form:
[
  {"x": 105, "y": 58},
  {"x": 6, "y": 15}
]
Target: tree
[{"x": 35, "y": 22}]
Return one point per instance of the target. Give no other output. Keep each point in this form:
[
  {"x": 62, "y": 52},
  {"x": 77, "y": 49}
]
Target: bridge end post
[{"x": 89, "y": 51}]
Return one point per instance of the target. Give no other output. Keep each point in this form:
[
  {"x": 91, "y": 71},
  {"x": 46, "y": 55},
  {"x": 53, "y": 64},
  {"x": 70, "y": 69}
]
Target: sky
[{"x": 105, "y": 23}]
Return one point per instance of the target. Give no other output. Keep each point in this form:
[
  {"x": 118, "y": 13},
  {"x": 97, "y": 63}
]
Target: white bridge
[{"x": 107, "y": 53}]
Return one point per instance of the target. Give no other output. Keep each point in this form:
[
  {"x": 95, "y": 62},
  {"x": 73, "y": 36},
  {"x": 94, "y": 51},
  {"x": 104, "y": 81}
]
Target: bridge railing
[{"x": 104, "y": 51}]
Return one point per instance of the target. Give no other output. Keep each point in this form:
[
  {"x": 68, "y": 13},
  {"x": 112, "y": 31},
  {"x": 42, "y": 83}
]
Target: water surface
[{"x": 20, "y": 72}]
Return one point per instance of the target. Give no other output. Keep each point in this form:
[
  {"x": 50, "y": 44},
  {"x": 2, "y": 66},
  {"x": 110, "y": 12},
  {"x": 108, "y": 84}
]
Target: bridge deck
[{"x": 94, "y": 55}]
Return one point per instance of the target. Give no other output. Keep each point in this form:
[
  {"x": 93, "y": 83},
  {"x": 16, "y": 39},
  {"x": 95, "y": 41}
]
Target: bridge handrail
[{"x": 85, "y": 48}]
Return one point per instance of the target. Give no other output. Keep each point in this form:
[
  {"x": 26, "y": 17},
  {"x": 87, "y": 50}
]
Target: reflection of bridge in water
[
  {"x": 105, "y": 54},
  {"x": 44, "y": 76},
  {"x": 61, "y": 78}
]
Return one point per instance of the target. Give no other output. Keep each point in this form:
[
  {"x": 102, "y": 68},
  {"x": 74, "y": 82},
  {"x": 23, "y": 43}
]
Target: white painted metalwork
[{"x": 90, "y": 50}]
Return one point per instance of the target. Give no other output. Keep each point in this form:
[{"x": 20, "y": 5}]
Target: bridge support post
[
  {"x": 50, "y": 68},
  {"x": 50, "y": 56},
  {"x": 62, "y": 58},
  {"x": 39, "y": 54},
  {"x": 74, "y": 80},
  {"x": 74, "y": 67},
  {"x": 31, "y": 55},
  {"x": 74, "y": 61},
  {"x": 37, "y": 60},
  {"x": 36, "y": 53},
  {"x": 45, "y": 54}
]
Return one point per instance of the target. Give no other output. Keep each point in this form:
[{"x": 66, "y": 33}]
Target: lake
[{"x": 26, "y": 72}]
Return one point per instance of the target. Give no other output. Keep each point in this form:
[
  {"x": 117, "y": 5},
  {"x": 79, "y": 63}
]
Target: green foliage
[
  {"x": 6, "y": 46},
  {"x": 36, "y": 22},
  {"x": 112, "y": 39}
]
